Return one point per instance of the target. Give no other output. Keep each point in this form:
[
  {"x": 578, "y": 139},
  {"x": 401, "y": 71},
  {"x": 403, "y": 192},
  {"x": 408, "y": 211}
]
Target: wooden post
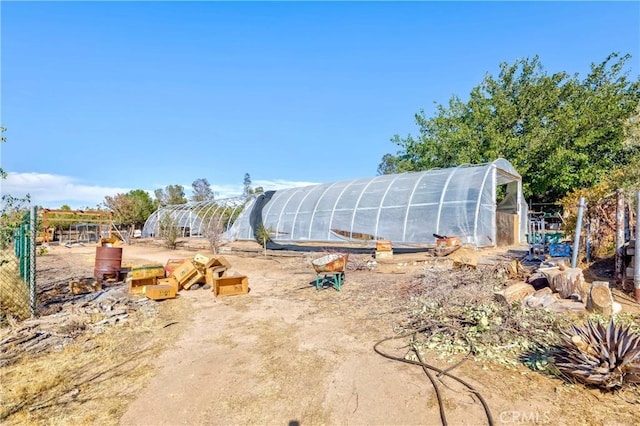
[{"x": 619, "y": 258}]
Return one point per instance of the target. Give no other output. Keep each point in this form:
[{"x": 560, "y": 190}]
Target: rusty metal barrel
[{"x": 108, "y": 262}]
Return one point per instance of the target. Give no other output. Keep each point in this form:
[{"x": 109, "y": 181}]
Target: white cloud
[
  {"x": 275, "y": 184},
  {"x": 53, "y": 191}
]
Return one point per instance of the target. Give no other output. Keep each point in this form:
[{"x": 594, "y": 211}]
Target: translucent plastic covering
[
  {"x": 407, "y": 209},
  {"x": 196, "y": 219}
]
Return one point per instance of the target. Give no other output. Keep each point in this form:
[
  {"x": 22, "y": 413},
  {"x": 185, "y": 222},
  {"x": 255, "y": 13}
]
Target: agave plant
[{"x": 605, "y": 357}]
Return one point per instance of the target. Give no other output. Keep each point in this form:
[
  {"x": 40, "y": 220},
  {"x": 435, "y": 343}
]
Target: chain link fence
[{"x": 17, "y": 268}]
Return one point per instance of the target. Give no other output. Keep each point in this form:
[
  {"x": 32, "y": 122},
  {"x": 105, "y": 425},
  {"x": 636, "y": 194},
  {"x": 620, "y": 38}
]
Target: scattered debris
[
  {"x": 73, "y": 315},
  {"x": 84, "y": 285}
]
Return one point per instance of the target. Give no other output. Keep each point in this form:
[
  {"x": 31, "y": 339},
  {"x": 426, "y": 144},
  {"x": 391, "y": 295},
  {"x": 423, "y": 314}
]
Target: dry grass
[{"x": 91, "y": 381}]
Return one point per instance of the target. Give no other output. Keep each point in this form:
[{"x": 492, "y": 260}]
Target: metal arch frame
[
  {"x": 355, "y": 208},
  {"x": 491, "y": 168},
  {"x": 188, "y": 214},
  {"x": 315, "y": 207},
  {"x": 270, "y": 205},
  {"x": 295, "y": 218},
  {"x": 444, "y": 190},
  {"x": 384, "y": 196},
  {"x": 406, "y": 213},
  {"x": 333, "y": 210},
  {"x": 294, "y": 191}
]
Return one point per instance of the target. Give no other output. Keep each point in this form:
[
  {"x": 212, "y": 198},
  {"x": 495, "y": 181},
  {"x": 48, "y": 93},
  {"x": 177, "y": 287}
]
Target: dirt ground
[{"x": 288, "y": 354}]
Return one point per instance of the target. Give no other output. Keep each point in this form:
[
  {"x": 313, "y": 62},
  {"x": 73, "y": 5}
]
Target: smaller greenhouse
[
  {"x": 195, "y": 219},
  {"x": 481, "y": 204}
]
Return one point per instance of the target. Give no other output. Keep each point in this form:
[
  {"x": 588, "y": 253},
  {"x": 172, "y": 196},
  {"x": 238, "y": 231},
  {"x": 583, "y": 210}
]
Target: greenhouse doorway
[{"x": 507, "y": 217}]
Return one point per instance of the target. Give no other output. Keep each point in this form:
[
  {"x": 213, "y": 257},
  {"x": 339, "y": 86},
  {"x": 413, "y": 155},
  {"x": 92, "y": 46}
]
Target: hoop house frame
[
  {"x": 196, "y": 219},
  {"x": 407, "y": 208}
]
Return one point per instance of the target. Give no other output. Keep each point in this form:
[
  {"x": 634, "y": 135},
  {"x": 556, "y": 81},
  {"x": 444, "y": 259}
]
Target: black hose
[
  {"x": 436, "y": 388},
  {"x": 426, "y": 366}
]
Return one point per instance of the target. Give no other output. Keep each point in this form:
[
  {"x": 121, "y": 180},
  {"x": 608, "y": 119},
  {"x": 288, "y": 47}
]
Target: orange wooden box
[
  {"x": 196, "y": 278},
  {"x": 159, "y": 292},
  {"x": 383, "y": 245},
  {"x": 172, "y": 264},
  {"x": 172, "y": 281},
  {"x": 229, "y": 286},
  {"x": 147, "y": 271},
  {"x": 136, "y": 286},
  {"x": 213, "y": 274},
  {"x": 185, "y": 272}
]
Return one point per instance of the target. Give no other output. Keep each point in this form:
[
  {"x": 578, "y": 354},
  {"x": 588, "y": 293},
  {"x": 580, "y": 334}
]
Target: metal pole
[
  {"x": 588, "y": 245},
  {"x": 32, "y": 259},
  {"x": 576, "y": 240},
  {"x": 636, "y": 265},
  {"x": 619, "y": 259}
]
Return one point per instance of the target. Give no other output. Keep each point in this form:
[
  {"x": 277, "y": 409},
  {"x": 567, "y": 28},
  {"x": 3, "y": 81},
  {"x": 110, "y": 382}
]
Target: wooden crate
[
  {"x": 171, "y": 265},
  {"x": 196, "y": 278},
  {"x": 185, "y": 272},
  {"x": 213, "y": 274},
  {"x": 159, "y": 292},
  {"x": 383, "y": 245},
  {"x": 135, "y": 286},
  {"x": 172, "y": 281},
  {"x": 218, "y": 261},
  {"x": 229, "y": 286},
  {"x": 147, "y": 271},
  {"x": 201, "y": 259}
]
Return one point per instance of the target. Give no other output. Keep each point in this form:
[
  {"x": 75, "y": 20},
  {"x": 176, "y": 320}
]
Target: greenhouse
[
  {"x": 482, "y": 205},
  {"x": 195, "y": 219}
]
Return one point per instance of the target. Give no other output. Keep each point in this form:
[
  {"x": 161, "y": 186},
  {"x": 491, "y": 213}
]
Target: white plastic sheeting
[
  {"x": 407, "y": 209},
  {"x": 195, "y": 219}
]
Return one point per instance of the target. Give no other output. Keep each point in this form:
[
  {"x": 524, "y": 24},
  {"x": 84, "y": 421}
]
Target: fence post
[
  {"x": 576, "y": 240},
  {"x": 32, "y": 259},
  {"x": 636, "y": 265},
  {"x": 619, "y": 258}
]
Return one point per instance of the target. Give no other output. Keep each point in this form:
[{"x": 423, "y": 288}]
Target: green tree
[
  {"x": 12, "y": 209},
  {"x": 202, "y": 190},
  {"x": 132, "y": 208},
  {"x": 172, "y": 194},
  {"x": 246, "y": 184},
  {"x": 559, "y": 132}
]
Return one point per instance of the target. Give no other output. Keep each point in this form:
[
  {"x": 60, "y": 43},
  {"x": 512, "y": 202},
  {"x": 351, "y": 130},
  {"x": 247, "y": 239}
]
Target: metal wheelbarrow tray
[{"x": 332, "y": 267}]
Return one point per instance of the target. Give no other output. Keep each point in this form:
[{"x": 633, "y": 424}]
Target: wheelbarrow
[{"x": 330, "y": 268}]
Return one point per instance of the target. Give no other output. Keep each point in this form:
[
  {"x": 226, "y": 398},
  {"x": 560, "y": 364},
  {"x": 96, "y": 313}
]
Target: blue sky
[{"x": 104, "y": 97}]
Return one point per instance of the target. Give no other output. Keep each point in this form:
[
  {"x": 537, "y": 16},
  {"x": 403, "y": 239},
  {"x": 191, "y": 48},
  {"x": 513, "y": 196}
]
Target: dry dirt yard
[{"x": 283, "y": 354}]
